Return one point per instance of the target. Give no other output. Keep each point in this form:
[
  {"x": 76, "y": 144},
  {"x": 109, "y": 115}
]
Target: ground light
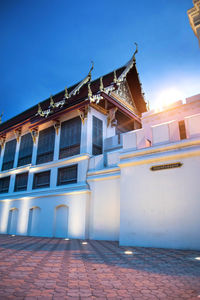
[
  {"x": 197, "y": 258},
  {"x": 13, "y": 235},
  {"x": 128, "y": 252},
  {"x": 66, "y": 239},
  {"x": 84, "y": 243}
]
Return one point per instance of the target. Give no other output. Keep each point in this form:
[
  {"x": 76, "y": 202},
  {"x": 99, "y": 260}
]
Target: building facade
[
  {"x": 92, "y": 163},
  {"x": 194, "y": 18}
]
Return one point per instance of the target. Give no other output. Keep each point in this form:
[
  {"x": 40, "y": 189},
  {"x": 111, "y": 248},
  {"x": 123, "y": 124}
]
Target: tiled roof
[{"x": 80, "y": 97}]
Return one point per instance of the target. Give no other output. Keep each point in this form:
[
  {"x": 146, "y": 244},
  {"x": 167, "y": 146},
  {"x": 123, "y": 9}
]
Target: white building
[{"x": 80, "y": 166}]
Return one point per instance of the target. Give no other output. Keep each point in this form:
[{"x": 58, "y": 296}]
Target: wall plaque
[{"x": 166, "y": 166}]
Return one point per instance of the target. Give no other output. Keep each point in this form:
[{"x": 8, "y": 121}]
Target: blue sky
[{"x": 47, "y": 45}]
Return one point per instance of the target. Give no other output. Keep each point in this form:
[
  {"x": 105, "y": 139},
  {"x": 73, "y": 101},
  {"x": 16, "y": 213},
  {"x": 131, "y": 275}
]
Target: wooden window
[
  {"x": 25, "y": 150},
  {"x": 9, "y": 155},
  {"x": 182, "y": 129},
  {"x": 41, "y": 180},
  {"x": 21, "y": 182},
  {"x": 70, "y": 138},
  {"x": 4, "y": 184},
  {"x": 46, "y": 145},
  {"x": 97, "y": 136},
  {"x": 67, "y": 175}
]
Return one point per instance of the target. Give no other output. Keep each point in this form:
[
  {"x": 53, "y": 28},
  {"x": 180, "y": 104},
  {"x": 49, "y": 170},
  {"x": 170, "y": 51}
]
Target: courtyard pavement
[{"x": 45, "y": 268}]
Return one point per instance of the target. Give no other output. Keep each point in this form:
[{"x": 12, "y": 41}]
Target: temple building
[
  {"x": 92, "y": 162},
  {"x": 194, "y": 18}
]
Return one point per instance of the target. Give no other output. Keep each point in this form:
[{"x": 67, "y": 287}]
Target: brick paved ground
[{"x": 42, "y": 268}]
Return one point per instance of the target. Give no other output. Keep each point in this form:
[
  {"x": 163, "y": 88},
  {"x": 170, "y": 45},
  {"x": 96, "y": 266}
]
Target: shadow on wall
[{"x": 160, "y": 261}]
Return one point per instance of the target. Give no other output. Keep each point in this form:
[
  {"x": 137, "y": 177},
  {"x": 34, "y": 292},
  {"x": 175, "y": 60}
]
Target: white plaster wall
[
  {"x": 161, "y": 208},
  {"x": 165, "y": 132},
  {"x": 176, "y": 111},
  {"x": 193, "y": 126},
  {"x": 105, "y": 209},
  {"x": 77, "y": 219}
]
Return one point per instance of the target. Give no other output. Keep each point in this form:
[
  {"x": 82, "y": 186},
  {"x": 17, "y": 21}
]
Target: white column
[
  {"x": 86, "y": 135},
  {"x": 33, "y": 162},
  {"x": 34, "y": 154},
  {"x": 83, "y": 146},
  {"x": 30, "y": 181},
  {"x": 57, "y": 144},
  {"x": 16, "y": 153},
  {"x": 12, "y": 183},
  {"x": 53, "y": 178}
]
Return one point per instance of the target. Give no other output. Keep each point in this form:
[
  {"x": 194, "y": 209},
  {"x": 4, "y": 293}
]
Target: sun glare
[{"x": 167, "y": 97}]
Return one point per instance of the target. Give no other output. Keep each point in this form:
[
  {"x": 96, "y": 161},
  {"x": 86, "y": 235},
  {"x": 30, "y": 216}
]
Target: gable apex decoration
[{"x": 129, "y": 65}]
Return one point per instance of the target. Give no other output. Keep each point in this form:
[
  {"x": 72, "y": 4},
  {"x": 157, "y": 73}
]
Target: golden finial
[
  {"x": 115, "y": 77},
  {"x": 136, "y": 51},
  {"x": 90, "y": 72},
  {"x": 66, "y": 93},
  {"x": 52, "y": 104},
  {"x": 89, "y": 91},
  {"x": 1, "y": 117},
  {"x": 101, "y": 87},
  {"x": 40, "y": 112}
]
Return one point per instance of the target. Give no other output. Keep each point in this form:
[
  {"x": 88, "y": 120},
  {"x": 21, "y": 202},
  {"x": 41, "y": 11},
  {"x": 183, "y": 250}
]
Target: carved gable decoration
[{"x": 124, "y": 93}]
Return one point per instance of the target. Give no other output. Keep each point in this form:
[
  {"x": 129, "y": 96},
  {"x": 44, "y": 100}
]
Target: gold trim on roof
[
  {"x": 83, "y": 82},
  {"x": 129, "y": 65}
]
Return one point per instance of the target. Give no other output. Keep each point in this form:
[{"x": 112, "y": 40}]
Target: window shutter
[
  {"x": 41, "y": 180},
  {"x": 9, "y": 155},
  {"x": 4, "y": 184},
  {"x": 46, "y": 145},
  {"x": 70, "y": 138},
  {"x": 67, "y": 175},
  {"x": 97, "y": 136},
  {"x": 21, "y": 182},
  {"x": 25, "y": 150}
]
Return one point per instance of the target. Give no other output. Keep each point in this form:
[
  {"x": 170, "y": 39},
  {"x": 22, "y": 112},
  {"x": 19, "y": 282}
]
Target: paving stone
[{"x": 45, "y": 268}]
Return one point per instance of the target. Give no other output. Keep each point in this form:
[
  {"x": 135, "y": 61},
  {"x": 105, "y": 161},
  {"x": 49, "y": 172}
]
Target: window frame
[
  {"x": 10, "y": 163},
  {"x": 40, "y": 156},
  {"x": 26, "y": 156},
  {"x": 7, "y": 190},
  {"x": 68, "y": 181},
  {"x": 97, "y": 146},
  {"x": 35, "y": 184},
  {"x": 21, "y": 188},
  {"x": 72, "y": 148}
]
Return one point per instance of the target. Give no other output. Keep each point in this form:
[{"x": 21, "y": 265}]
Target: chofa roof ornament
[
  {"x": 1, "y": 117},
  {"x": 129, "y": 65},
  {"x": 43, "y": 113},
  {"x": 83, "y": 82}
]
